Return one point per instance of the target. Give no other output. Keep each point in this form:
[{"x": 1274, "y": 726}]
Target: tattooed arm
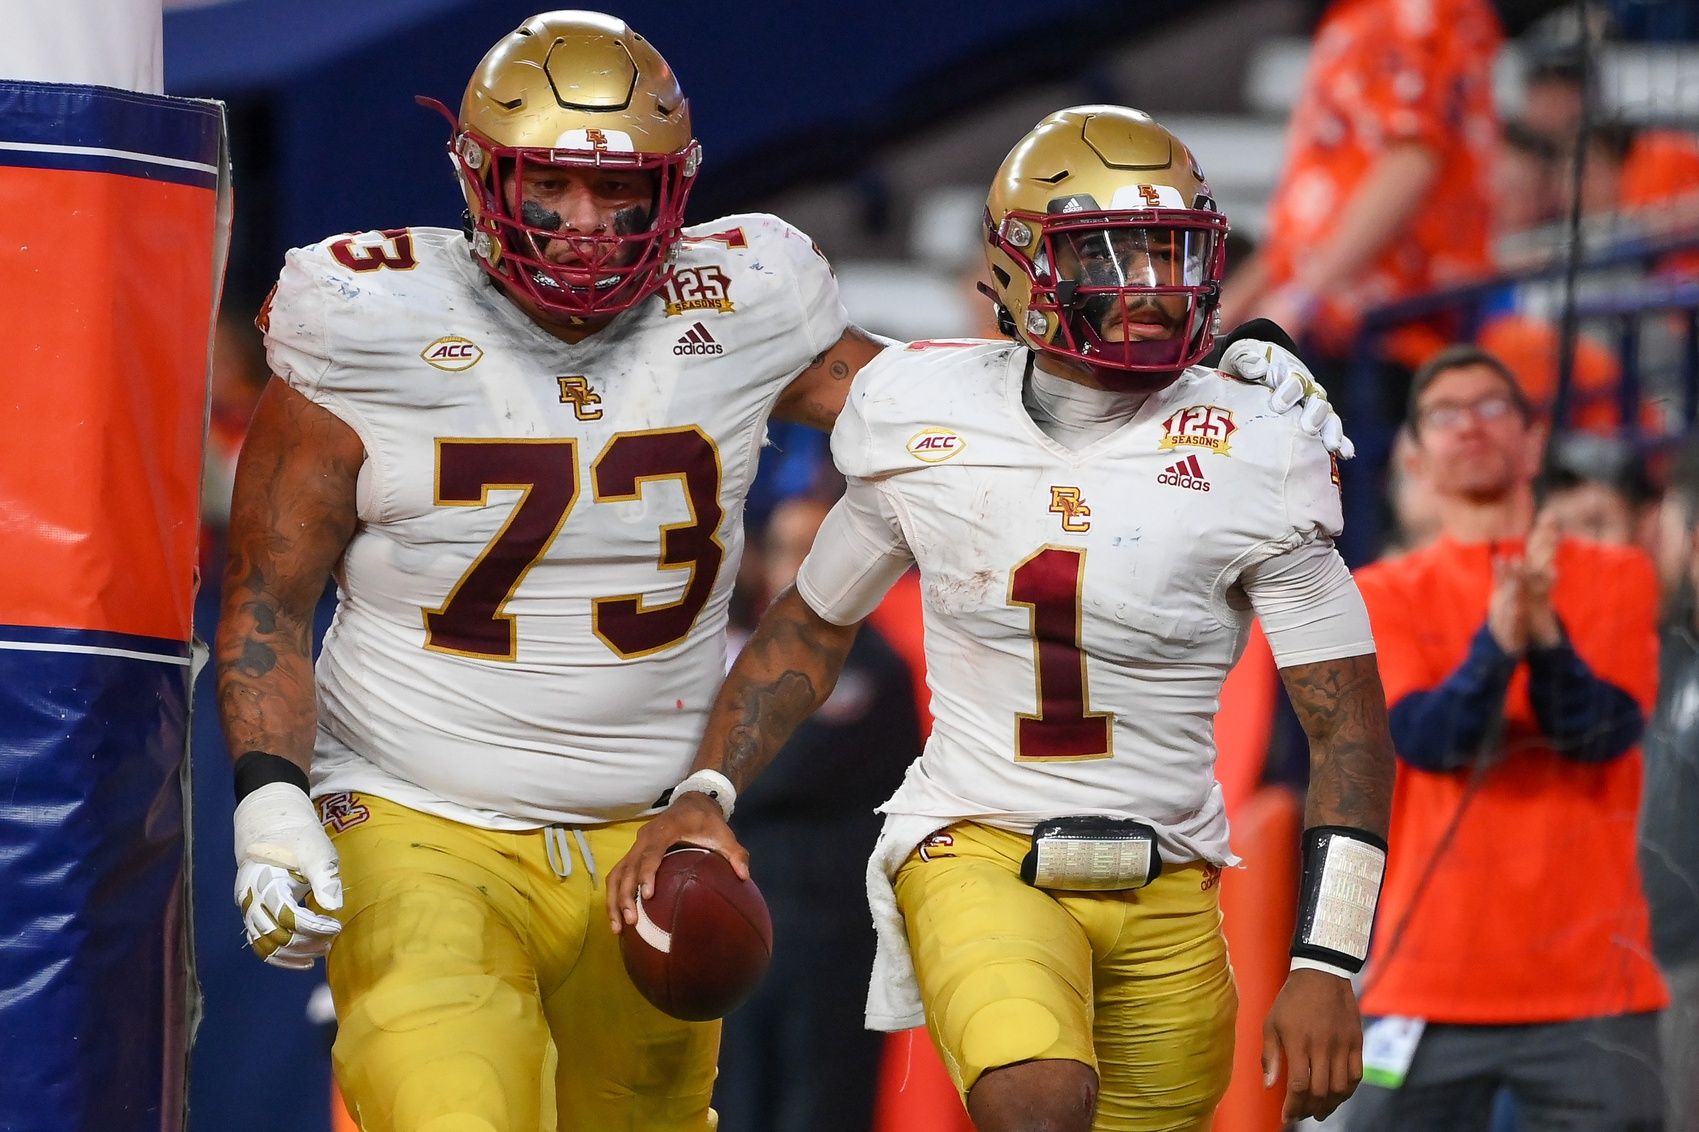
[
  {"x": 816, "y": 395},
  {"x": 786, "y": 670},
  {"x": 1343, "y": 711},
  {"x": 292, "y": 515},
  {"x": 1314, "y": 1028}
]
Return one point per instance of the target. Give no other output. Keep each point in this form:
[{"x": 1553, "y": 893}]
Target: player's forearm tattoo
[
  {"x": 766, "y": 714},
  {"x": 819, "y": 391},
  {"x": 1343, "y": 710},
  {"x": 785, "y": 671},
  {"x": 265, "y": 677},
  {"x": 282, "y": 542}
]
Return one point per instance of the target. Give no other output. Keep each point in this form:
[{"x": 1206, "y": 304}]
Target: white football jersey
[
  {"x": 1081, "y": 610},
  {"x": 532, "y": 609}
]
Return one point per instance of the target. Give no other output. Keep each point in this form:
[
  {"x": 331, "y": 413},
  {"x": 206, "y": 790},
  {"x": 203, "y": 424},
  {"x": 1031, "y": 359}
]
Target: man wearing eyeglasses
[{"x": 1512, "y": 949}]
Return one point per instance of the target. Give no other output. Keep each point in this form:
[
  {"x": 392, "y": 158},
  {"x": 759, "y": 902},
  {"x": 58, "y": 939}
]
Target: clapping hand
[{"x": 1519, "y": 612}]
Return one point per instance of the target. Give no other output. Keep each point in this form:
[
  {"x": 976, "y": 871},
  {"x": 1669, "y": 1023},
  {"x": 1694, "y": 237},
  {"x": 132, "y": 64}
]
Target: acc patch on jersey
[
  {"x": 935, "y": 445},
  {"x": 453, "y": 353},
  {"x": 1206, "y": 426}
]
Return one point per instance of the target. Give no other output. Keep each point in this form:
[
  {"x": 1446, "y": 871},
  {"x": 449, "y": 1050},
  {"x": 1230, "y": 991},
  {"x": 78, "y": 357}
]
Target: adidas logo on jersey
[
  {"x": 697, "y": 340},
  {"x": 1188, "y": 473}
]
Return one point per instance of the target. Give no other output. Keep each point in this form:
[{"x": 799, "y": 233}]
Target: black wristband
[{"x": 255, "y": 769}]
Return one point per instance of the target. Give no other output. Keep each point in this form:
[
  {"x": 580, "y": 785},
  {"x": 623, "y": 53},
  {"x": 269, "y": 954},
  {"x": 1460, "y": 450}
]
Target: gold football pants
[
  {"x": 1135, "y": 983},
  {"x": 478, "y": 989}
]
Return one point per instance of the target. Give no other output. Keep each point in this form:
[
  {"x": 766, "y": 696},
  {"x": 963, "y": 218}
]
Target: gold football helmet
[
  {"x": 574, "y": 90},
  {"x": 1105, "y": 245}
]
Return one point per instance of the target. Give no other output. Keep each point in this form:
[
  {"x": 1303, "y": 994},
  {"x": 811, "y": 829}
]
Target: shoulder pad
[{"x": 892, "y": 419}]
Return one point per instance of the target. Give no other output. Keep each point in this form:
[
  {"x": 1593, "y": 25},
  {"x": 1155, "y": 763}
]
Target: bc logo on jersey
[
  {"x": 698, "y": 289},
  {"x": 1070, "y": 504},
  {"x": 1207, "y": 426},
  {"x": 576, "y": 391}
]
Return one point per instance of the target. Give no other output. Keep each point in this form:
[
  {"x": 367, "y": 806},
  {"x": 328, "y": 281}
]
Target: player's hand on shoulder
[
  {"x": 287, "y": 877},
  {"x": 1291, "y": 386},
  {"x": 1315, "y": 1033},
  {"x": 693, "y": 819}
]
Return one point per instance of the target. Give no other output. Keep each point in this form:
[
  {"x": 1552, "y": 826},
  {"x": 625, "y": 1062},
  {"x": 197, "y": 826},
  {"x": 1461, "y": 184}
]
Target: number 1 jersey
[
  {"x": 531, "y": 613},
  {"x": 1082, "y": 606}
]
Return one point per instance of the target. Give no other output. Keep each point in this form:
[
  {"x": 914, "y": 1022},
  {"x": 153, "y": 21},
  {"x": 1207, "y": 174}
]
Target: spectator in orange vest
[
  {"x": 1387, "y": 189},
  {"x": 1512, "y": 948}
]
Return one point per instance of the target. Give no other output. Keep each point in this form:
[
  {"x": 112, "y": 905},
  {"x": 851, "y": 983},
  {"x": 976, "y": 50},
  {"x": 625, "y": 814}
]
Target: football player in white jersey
[
  {"x": 1096, "y": 519},
  {"x": 522, "y": 451}
]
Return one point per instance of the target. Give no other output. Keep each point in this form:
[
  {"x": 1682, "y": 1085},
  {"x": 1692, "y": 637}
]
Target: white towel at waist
[{"x": 893, "y": 995}]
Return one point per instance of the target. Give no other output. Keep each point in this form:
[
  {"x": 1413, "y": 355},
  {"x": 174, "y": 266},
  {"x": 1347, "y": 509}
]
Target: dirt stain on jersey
[{"x": 965, "y": 592}]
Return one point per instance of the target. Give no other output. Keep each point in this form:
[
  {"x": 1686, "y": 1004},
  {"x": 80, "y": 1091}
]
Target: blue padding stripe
[
  {"x": 34, "y": 638},
  {"x": 100, "y": 129},
  {"x": 92, "y": 958}
]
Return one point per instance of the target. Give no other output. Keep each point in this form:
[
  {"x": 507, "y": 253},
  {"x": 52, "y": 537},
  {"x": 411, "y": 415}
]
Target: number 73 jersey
[
  {"x": 1082, "y": 606},
  {"x": 531, "y": 611}
]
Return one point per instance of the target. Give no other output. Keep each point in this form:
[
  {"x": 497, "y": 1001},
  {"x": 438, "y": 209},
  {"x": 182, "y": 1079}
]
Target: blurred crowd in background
[{"x": 1402, "y": 176}]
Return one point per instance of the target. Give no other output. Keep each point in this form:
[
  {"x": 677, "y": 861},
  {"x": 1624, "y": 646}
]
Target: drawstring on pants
[{"x": 559, "y": 851}]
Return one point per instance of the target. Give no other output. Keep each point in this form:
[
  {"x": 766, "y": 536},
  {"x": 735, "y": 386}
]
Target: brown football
[{"x": 702, "y": 942}]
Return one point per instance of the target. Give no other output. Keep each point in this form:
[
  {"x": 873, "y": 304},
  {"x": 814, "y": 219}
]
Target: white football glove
[
  {"x": 1290, "y": 384},
  {"x": 286, "y": 876}
]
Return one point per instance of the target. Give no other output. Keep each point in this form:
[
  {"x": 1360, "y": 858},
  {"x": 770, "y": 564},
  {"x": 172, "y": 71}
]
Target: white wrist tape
[
  {"x": 1316, "y": 965},
  {"x": 712, "y": 783},
  {"x": 1343, "y": 868}
]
